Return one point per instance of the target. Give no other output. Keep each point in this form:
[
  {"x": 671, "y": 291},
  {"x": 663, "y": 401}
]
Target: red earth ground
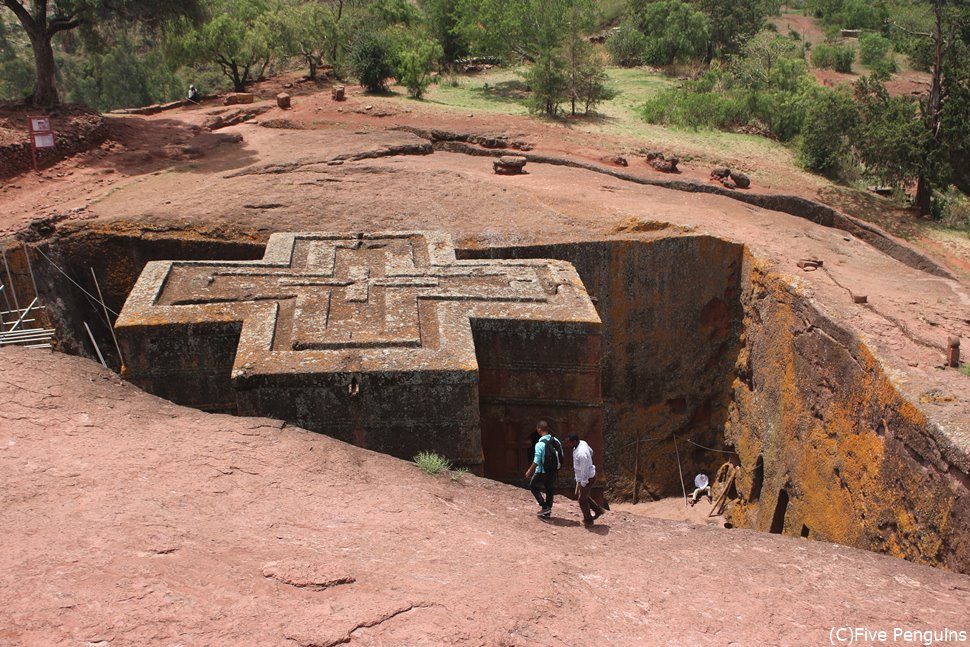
[{"x": 128, "y": 520}]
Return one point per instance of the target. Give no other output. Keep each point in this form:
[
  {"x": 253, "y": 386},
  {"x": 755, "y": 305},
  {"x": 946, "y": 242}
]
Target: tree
[
  {"x": 442, "y": 21},
  {"x": 948, "y": 101},
  {"x": 830, "y": 116},
  {"x": 627, "y": 46},
  {"x": 371, "y": 61},
  {"x": 549, "y": 82},
  {"x": 888, "y": 137},
  {"x": 237, "y": 37},
  {"x": 16, "y": 76},
  {"x": 549, "y": 33},
  {"x": 770, "y": 62},
  {"x": 44, "y": 19},
  {"x": 675, "y": 31},
  {"x": 585, "y": 71},
  {"x": 308, "y": 30},
  {"x": 733, "y": 23},
  {"x": 529, "y": 29},
  {"x": 415, "y": 62}
]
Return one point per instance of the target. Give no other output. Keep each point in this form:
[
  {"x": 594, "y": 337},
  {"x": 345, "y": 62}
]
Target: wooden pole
[
  {"x": 23, "y": 316},
  {"x": 30, "y": 268},
  {"x": 636, "y": 472},
  {"x": 95, "y": 344},
  {"x": 727, "y": 486},
  {"x": 680, "y": 471},
  {"x": 107, "y": 319},
  {"x": 13, "y": 288}
]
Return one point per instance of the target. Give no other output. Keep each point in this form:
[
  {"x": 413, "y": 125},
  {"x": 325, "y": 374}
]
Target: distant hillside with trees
[{"x": 739, "y": 70}]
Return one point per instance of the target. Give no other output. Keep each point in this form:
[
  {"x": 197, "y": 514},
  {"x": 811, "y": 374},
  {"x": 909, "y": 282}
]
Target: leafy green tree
[
  {"x": 372, "y": 61},
  {"x": 415, "y": 63},
  {"x": 549, "y": 81},
  {"x": 15, "y": 74},
  {"x": 237, "y": 36},
  {"x": 675, "y": 31},
  {"x": 42, "y": 20},
  {"x": 732, "y": 24},
  {"x": 309, "y": 29},
  {"x": 442, "y": 21},
  {"x": 770, "y": 62},
  {"x": 874, "y": 47},
  {"x": 888, "y": 138},
  {"x": 863, "y": 14},
  {"x": 945, "y": 108},
  {"x": 529, "y": 29},
  {"x": 627, "y": 46},
  {"x": 830, "y": 117},
  {"x": 551, "y": 33},
  {"x": 585, "y": 70},
  {"x": 590, "y": 83}
]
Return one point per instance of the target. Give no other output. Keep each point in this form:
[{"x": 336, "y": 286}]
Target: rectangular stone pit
[{"x": 384, "y": 340}]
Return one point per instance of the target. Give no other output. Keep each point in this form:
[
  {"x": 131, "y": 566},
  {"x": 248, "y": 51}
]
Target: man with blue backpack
[{"x": 545, "y": 468}]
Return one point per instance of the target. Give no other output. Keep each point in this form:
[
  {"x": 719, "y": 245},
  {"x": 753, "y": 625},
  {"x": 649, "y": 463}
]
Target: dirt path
[{"x": 131, "y": 521}]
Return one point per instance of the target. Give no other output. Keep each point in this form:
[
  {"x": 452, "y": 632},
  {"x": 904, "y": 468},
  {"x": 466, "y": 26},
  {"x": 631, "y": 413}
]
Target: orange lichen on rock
[{"x": 857, "y": 463}]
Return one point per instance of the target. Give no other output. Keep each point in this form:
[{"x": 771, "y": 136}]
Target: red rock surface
[{"x": 128, "y": 520}]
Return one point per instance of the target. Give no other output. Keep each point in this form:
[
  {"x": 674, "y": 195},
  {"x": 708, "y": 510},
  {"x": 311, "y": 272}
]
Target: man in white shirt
[{"x": 585, "y": 476}]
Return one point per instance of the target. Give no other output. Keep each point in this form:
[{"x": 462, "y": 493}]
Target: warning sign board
[{"x": 41, "y": 135}]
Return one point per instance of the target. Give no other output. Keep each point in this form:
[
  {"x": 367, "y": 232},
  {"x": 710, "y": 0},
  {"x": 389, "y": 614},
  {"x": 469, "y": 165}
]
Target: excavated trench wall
[
  {"x": 829, "y": 448},
  {"x": 699, "y": 341},
  {"x": 671, "y": 324}
]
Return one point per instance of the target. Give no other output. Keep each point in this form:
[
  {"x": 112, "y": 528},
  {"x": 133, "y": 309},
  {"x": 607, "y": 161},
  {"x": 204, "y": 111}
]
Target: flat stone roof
[{"x": 358, "y": 302}]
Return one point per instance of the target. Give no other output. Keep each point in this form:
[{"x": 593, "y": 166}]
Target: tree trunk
[
  {"x": 45, "y": 90},
  {"x": 924, "y": 195},
  {"x": 313, "y": 68},
  {"x": 934, "y": 109}
]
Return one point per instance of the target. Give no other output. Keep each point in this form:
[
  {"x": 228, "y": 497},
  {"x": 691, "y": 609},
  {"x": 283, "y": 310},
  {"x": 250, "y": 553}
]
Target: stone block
[
  {"x": 383, "y": 340},
  {"x": 283, "y": 100},
  {"x": 509, "y": 165},
  {"x": 236, "y": 98}
]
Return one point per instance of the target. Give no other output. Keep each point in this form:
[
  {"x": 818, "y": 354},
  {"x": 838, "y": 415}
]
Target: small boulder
[
  {"x": 652, "y": 155},
  {"x": 662, "y": 164},
  {"x": 509, "y": 165},
  {"x": 720, "y": 172},
  {"x": 236, "y": 98},
  {"x": 338, "y": 93},
  {"x": 741, "y": 180},
  {"x": 283, "y": 100}
]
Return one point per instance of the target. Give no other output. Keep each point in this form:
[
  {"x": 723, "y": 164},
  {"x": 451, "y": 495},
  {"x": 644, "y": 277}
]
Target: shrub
[
  {"x": 549, "y": 82},
  {"x": 415, "y": 63},
  {"x": 830, "y": 116},
  {"x": 837, "y": 57},
  {"x": 371, "y": 62},
  {"x": 694, "y": 109},
  {"x": 876, "y": 52},
  {"x": 844, "y": 56},
  {"x": 627, "y": 46},
  {"x": 432, "y": 463},
  {"x": 677, "y": 33},
  {"x": 862, "y": 14}
]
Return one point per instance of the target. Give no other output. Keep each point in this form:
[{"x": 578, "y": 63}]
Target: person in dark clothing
[{"x": 541, "y": 477}]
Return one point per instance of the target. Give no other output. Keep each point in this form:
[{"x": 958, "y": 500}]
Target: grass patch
[
  {"x": 431, "y": 463},
  {"x": 458, "y": 473},
  {"x": 965, "y": 369}
]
